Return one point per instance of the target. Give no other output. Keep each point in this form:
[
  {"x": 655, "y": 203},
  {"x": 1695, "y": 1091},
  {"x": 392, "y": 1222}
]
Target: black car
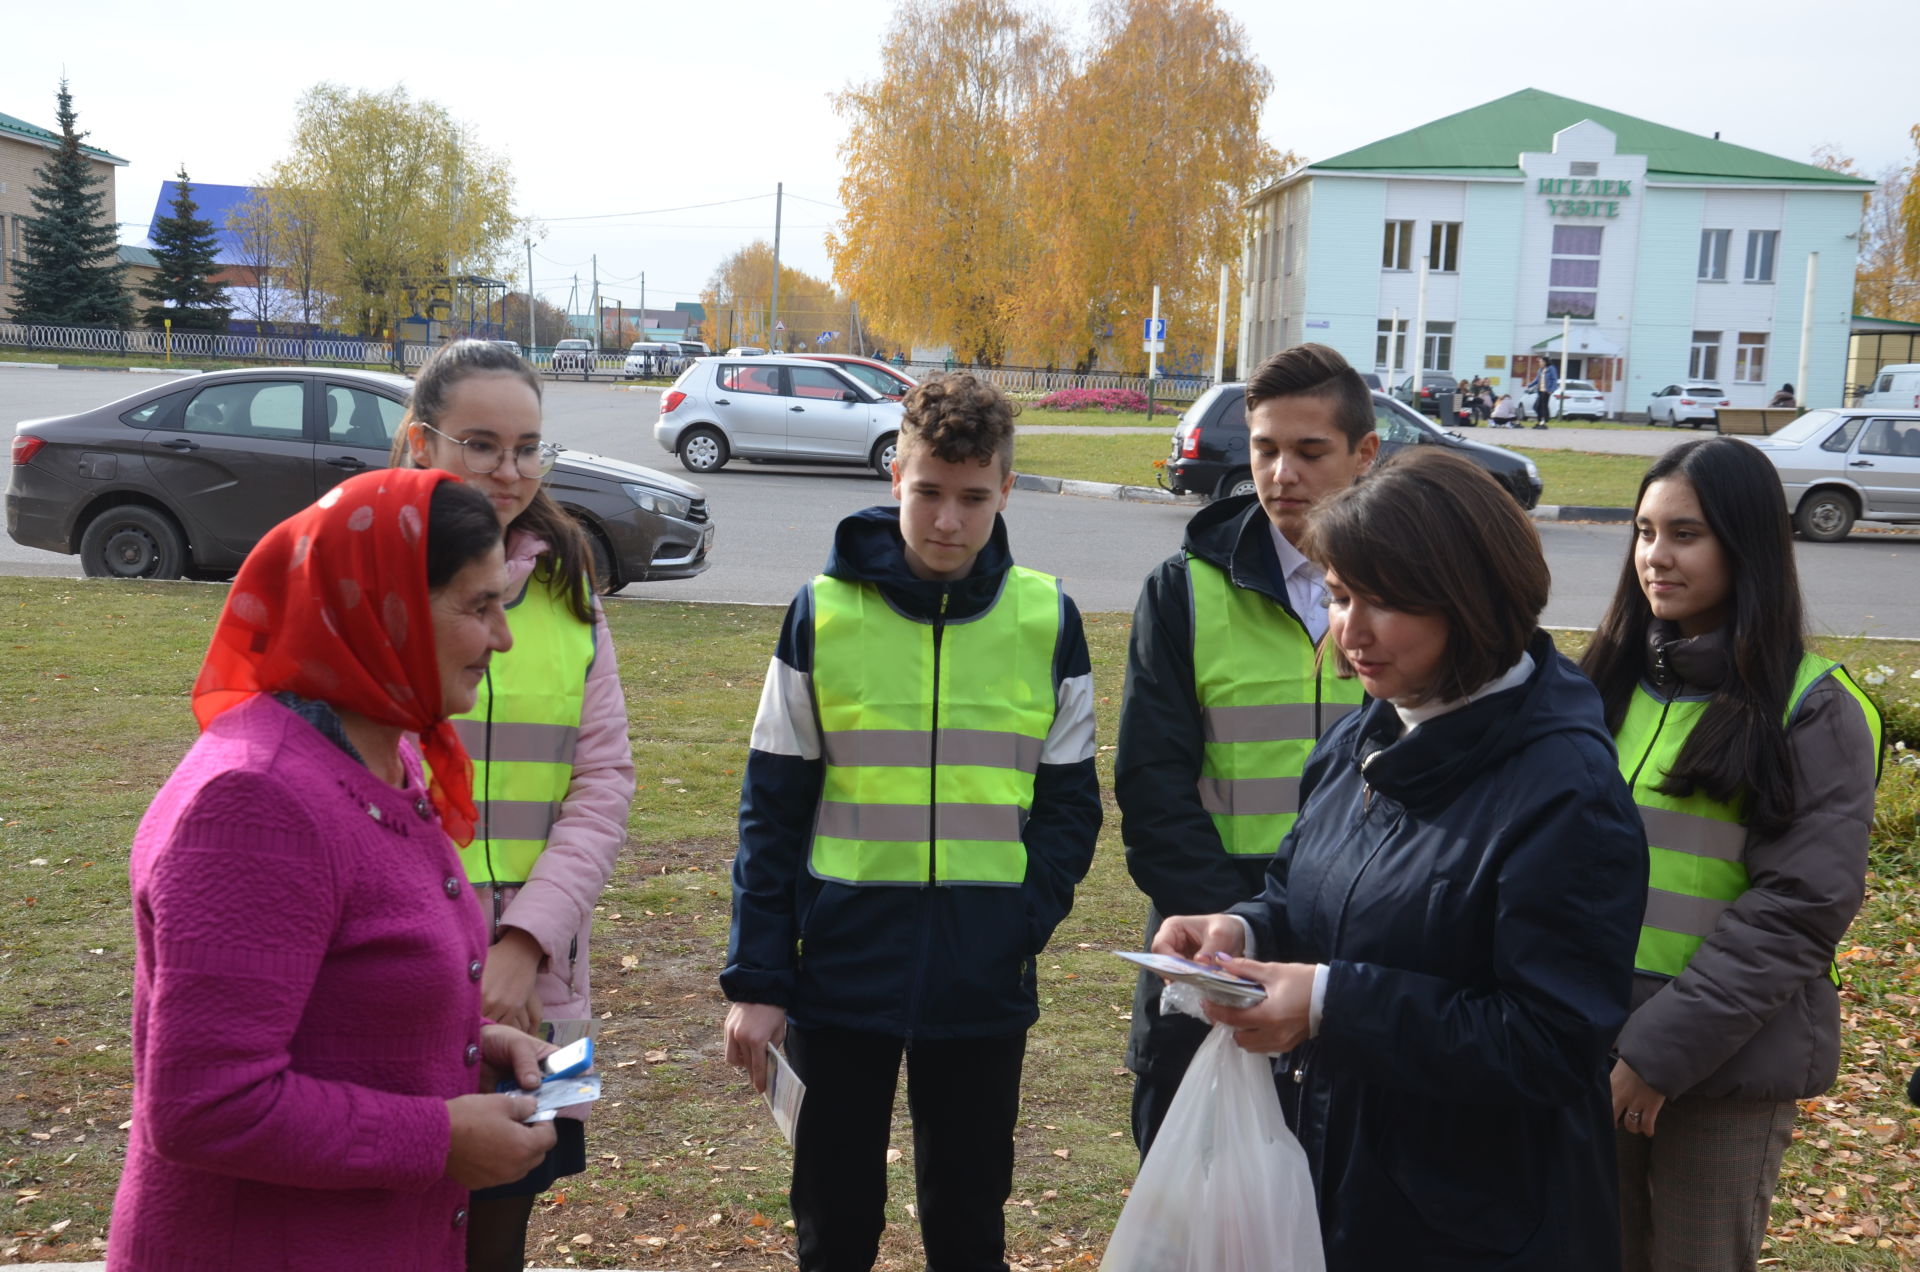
[
  {"x": 186, "y": 477},
  {"x": 1434, "y": 387},
  {"x": 1210, "y": 446}
]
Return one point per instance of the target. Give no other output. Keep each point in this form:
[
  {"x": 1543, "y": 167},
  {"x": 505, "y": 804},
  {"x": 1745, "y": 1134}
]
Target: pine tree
[
  {"x": 188, "y": 252},
  {"x": 71, "y": 274}
]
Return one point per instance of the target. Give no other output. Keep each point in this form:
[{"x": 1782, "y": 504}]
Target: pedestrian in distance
[
  {"x": 1503, "y": 411},
  {"x": 1446, "y": 935},
  {"x": 1226, "y": 692},
  {"x": 1784, "y": 397},
  {"x": 313, "y": 1071},
  {"x": 1543, "y": 387},
  {"x": 1753, "y": 762},
  {"x": 919, "y": 804},
  {"x": 553, "y": 763}
]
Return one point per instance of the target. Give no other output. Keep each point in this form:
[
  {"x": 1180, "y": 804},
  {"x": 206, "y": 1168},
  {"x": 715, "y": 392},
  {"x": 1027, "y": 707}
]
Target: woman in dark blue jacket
[{"x": 1447, "y": 934}]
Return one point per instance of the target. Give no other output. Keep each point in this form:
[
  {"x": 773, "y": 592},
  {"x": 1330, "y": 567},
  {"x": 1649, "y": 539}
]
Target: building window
[
  {"x": 1385, "y": 332},
  {"x": 1704, "y": 362},
  {"x": 1761, "y": 245},
  {"x": 1397, "y": 251},
  {"x": 1583, "y": 168},
  {"x": 1439, "y": 346},
  {"x": 1443, "y": 247},
  {"x": 1573, "y": 279},
  {"x": 1713, "y": 254},
  {"x": 1750, "y": 358}
]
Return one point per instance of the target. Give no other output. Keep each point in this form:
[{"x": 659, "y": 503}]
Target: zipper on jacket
[
  {"x": 1659, "y": 727},
  {"x": 933, "y": 829}
]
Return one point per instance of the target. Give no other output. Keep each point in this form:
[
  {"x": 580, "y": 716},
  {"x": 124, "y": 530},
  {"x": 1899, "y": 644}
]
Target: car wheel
[
  {"x": 606, "y": 578},
  {"x": 702, "y": 450},
  {"x": 883, "y": 453},
  {"x": 1825, "y": 516},
  {"x": 1229, "y": 487},
  {"x": 133, "y": 541}
]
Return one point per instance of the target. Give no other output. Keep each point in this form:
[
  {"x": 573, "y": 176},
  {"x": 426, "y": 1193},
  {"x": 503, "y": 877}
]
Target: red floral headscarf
[{"x": 333, "y": 605}]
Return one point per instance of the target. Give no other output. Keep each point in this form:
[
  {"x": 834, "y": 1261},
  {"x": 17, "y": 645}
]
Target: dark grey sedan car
[{"x": 186, "y": 477}]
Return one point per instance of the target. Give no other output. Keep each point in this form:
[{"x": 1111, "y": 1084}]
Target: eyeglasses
[{"x": 480, "y": 456}]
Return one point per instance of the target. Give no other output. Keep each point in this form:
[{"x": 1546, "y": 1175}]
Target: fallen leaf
[
  {"x": 1063, "y": 1153},
  {"x": 894, "y": 1155},
  {"x": 583, "y": 1239},
  {"x": 655, "y": 1057}
]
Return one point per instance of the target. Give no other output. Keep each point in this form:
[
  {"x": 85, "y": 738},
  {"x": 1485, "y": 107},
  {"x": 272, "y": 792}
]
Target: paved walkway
[{"x": 1606, "y": 441}]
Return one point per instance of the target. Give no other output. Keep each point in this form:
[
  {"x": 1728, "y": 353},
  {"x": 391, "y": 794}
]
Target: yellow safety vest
[
  {"x": 1696, "y": 845},
  {"x": 931, "y": 732},
  {"x": 522, "y": 732},
  {"x": 1265, "y": 699}
]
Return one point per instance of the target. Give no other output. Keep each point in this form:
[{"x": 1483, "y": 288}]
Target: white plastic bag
[{"x": 1225, "y": 1187}]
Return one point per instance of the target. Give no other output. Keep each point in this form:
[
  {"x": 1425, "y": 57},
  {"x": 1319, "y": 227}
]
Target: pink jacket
[
  {"x": 305, "y": 1002},
  {"x": 555, "y": 906}
]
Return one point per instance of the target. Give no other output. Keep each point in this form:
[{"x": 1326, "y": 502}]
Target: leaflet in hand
[
  {"x": 560, "y": 1093},
  {"x": 785, "y": 1091},
  {"x": 1213, "y": 984}
]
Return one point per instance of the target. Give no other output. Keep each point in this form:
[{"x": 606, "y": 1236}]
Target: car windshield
[
  {"x": 1812, "y": 424},
  {"x": 1702, "y": 390},
  {"x": 1580, "y": 386}
]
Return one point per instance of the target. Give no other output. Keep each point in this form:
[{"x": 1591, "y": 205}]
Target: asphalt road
[{"x": 773, "y": 522}]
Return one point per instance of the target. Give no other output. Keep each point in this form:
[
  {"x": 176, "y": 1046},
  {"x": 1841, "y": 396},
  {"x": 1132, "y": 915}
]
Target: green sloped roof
[
  {"x": 32, "y": 132},
  {"x": 1489, "y": 139}
]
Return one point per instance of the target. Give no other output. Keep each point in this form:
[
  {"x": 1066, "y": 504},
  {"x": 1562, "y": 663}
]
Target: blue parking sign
[{"x": 1153, "y": 329}]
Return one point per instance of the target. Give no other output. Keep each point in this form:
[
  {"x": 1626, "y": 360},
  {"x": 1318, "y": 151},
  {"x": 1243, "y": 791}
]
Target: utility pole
[
  {"x": 1220, "y": 329},
  {"x": 858, "y": 335},
  {"x": 779, "y": 190},
  {"x": 1419, "y": 363},
  {"x": 643, "y": 304},
  {"x": 1800, "y": 386},
  {"x": 599, "y": 321},
  {"x": 533, "y": 329}
]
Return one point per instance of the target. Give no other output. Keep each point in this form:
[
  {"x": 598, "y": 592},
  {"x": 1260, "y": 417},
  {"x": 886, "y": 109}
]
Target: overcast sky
[{"x": 616, "y": 126}]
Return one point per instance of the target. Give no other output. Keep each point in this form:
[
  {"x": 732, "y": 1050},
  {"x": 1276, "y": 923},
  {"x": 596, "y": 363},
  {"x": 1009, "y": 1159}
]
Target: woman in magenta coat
[{"x": 309, "y": 1049}]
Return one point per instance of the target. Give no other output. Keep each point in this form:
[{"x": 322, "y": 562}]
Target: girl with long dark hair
[
  {"x": 553, "y": 766},
  {"x": 1753, "y": 763}
]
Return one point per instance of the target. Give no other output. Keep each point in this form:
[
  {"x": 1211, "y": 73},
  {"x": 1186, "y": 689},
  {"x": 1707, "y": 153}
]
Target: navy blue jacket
[
  {"x": 933, "y": 962},
  {"x": 1476, "y": 888}
]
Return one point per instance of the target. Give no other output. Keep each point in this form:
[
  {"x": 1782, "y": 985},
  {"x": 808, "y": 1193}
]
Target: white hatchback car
[
  {"x": 1839, "y": 466},
  {"x": 1579, "y": 400},
  {"x": 1691, "y": 402},
  {"x": 775, "y": 407}
]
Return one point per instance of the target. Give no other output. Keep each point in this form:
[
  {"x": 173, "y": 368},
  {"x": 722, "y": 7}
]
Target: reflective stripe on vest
[
  {"x": 1696, "y": 845},
  {"x": 930, "y": 750},
  {"x": 1263, "y": 705},
  {"x": 523, "y": 759}
]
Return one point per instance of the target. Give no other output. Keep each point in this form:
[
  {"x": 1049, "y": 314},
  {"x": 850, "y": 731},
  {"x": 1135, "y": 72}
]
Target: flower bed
[{"x": 1093, "y": 400}]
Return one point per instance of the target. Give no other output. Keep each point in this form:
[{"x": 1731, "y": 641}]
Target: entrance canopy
[{"x": 1583, "y": 344}]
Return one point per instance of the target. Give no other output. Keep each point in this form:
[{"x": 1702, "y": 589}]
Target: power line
[{"x": 601, "y": 216}]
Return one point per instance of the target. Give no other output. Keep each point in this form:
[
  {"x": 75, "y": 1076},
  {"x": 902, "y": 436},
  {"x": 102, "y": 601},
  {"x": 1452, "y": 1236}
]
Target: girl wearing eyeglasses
[{"x": 553, "y": 766}]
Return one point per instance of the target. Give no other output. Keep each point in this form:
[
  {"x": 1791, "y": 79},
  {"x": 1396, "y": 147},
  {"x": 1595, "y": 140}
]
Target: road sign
[
  {"x": 1154, "y": 330},
  {"x": 780, "y": 324},
  {"x": 1153, "y": 346}
]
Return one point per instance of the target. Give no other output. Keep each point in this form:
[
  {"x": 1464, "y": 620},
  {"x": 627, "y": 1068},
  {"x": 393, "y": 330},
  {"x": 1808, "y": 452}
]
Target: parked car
[
  {"x": 1210, "y": 455},
  {"x": 883, "y": 379},
  {"x": 1896, "y": 386},
  {"x": 1434, "y": 385},
  {"x": 1372, "y": 381},
  {"x": 513, "y": 345},
  {"x": 696, "y": 349},
  {"x": 187, "y": 476},
  {"x": 775, "y": 406},
  {"x": 651, "y": 358},
  {"x": 1691, "y": 402},
  {"x": 572, "y": 355},
  {"x": 1841, "y": 466},
  {"x": 746, "y": 351},
  {"x": 1580, "y": 400}
]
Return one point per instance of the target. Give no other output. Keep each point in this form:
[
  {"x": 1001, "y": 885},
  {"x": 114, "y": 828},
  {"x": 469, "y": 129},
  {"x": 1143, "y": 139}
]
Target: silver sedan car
[{"x": 1842, "y": 466}]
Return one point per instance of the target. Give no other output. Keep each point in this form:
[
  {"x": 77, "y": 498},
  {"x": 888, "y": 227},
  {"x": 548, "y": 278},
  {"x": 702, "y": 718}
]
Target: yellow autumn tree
[
  {"x": 1145, "y": 158},
  {"x": 397, "y": 196},
  {"x": 1886, "y": 280},
  {"x": 738, "y": 296},
  {"x": 938, "y": 232}
]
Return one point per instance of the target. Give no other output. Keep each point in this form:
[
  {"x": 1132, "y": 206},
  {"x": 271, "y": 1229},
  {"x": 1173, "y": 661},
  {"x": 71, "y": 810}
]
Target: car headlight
[
  {"x": 1533, "y": 471},
  {"x": 657, "y": 501}
]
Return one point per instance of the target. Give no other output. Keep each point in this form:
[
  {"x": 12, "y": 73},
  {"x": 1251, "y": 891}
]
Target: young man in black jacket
[
  {"x": 1224, "y": 695},
  {"x": 919, "y": 804}
]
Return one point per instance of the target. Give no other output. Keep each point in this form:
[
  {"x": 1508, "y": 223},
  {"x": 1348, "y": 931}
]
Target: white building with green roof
[{"x": 1675, "y": 256}]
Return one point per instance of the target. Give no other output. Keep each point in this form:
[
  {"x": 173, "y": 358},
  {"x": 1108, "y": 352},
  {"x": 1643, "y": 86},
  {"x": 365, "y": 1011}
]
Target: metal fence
[
  {"x": 1039, "y": 380},
  {"x": 143, "y": 341}
]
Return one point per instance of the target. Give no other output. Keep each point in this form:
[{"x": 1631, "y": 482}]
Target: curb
[
  {"x": 1580, "y": 512},
  {"x": 1093, "y": 489},
  {"x": 31, "y": 366},
  {"x": 60, "y": 366}
]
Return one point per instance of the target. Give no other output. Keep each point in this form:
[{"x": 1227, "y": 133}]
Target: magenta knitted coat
[{"x": 305, "y": 1002}]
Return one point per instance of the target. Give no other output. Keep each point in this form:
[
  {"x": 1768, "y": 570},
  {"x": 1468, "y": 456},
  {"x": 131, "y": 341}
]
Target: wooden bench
[{"x": 1754, "y": 420}]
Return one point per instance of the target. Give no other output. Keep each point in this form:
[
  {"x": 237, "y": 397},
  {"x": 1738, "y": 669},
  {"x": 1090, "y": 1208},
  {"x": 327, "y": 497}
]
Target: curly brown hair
[{"x": 960, "y": 418}]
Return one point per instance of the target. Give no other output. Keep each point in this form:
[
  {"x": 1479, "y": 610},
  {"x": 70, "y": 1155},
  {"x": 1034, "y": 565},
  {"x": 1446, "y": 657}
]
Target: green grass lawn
[
  {"x": 1570, "y": 477},
  {"x": 686, "y": 1170}
]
